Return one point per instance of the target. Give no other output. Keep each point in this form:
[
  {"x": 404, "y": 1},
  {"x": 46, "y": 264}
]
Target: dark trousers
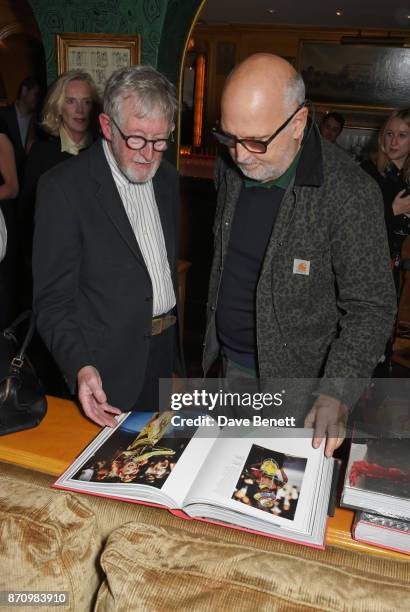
[{"x": 159, "y": 365}]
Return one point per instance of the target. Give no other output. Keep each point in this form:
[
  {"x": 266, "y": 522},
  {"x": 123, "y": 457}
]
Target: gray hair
[
  {"x": 295, "y": 92},
  {"x": 153, "y": 93}
]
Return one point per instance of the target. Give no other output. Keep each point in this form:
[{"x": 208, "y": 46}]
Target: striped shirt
[{"x": 142, "y": 212}]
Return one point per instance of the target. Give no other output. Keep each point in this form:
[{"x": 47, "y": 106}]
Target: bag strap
[
  {"x": 22, "y": 317},
  {"x": 19, "y": 358}
]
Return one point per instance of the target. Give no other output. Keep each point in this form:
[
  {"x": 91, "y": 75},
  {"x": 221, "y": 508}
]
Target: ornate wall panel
[{"x": 144, "y": 17}]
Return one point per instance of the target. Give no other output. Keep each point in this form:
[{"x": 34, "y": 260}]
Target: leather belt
[{"x": 160, "y": 324}]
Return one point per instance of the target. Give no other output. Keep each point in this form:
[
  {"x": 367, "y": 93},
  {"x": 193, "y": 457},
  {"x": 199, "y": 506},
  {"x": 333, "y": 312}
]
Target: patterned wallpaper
[{"x": 144, "y": 17}]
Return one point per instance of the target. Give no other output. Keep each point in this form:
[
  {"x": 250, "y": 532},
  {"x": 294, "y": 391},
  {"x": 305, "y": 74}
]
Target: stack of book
[{"x": 377, "y": 483}]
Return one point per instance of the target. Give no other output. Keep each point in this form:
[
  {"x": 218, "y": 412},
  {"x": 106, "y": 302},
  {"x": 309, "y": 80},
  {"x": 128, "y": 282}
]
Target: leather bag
[{"x": 23, "y": 404}]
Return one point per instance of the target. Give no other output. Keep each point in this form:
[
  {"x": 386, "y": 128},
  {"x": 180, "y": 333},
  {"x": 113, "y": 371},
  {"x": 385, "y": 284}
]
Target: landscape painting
[{"x": 357, "y": 75}]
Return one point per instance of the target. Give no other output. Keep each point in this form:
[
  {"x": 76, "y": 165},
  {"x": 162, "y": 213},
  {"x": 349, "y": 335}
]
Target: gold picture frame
[
  {"x": 355, "y": 77},
  {"x": 97, "y": 54}
]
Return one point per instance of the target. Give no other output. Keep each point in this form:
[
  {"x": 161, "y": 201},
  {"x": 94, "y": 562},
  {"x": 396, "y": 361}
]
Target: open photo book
[{"x": 277, "y": 486}]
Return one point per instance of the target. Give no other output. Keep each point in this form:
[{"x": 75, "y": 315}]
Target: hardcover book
[
  {"x": 378, "y": 474},
  {"x": 383, "y": 531},
  {"x": 276, "y": 486}
]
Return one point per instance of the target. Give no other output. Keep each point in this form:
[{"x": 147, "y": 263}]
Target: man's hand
[
  {"x": 328, "y": 417},
  {"x": 93, "y": 399}
]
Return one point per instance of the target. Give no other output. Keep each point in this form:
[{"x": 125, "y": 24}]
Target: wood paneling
[{"x": 281, "y": 40}]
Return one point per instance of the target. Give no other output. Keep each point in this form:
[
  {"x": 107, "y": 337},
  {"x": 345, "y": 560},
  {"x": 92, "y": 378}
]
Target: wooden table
[
  {"x": 53, "y": 445},
  {"x": 65, "y": 431}
]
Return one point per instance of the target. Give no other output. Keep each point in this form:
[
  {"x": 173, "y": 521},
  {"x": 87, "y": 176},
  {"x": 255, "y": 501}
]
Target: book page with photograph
[
  {"x": 378, "y": 473},
  {"x": 274, "y": 480},
  {"x": 271, "y": 481},
  {"x": 141, "y": 459}
]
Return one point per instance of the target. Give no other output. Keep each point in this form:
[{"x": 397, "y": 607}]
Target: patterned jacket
[{"x": 332, "y": 321}]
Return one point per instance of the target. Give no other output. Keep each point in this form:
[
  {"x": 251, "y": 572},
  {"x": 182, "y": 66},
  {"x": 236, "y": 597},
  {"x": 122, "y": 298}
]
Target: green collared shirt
[{"x": 282, "y": 181}]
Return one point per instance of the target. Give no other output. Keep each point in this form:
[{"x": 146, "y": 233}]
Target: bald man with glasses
[
  {"x": 106, "y": 253},
  {"x": 300, "y": 286}
]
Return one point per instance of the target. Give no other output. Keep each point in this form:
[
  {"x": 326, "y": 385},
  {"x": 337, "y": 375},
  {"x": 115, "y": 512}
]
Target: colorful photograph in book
[
  {"x": 271, "y": 481},
  {"x": 141, "y": 451},
  {"x": 382, "y": 465}
]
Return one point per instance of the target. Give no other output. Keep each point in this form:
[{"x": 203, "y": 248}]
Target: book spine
[{"x": 383, "y": 522}]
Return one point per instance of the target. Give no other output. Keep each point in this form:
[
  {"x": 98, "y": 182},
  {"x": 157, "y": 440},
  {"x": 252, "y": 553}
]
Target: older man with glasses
[
  {"x": 300, "y": 286},
  {"x": 105, "y": 253}
]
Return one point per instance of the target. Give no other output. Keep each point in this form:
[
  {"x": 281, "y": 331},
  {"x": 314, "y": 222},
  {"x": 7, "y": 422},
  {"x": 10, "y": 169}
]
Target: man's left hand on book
[{"x": 328, "y": 416}]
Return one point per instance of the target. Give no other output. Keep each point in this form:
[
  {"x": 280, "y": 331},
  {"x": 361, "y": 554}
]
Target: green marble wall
[{"x": 145, "y": 17}]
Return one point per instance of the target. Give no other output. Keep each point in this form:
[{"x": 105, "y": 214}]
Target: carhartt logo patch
[{"x": 301, "y": 266}]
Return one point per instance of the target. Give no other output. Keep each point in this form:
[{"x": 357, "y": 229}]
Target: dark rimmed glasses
[
  {"x": 253, "y": 145},
  {"x": 136, "y": 143}
]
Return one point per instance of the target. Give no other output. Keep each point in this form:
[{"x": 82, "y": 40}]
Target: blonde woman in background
[
  {"x": 69, "y": 120},
  {"x": 391, "y": 170},
  {"x": 70, "y": 111}
]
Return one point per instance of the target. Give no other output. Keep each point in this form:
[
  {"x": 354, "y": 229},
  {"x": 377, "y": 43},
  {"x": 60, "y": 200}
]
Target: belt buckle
[
  {"x": 157, "y": 326},
  {"x": 160, "y": 324}
]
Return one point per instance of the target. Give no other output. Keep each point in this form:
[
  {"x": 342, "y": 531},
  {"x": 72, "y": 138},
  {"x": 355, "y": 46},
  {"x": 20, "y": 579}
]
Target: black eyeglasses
[
  {"x": 252, "y": 145},
  {"x": 139, "y": 142}
]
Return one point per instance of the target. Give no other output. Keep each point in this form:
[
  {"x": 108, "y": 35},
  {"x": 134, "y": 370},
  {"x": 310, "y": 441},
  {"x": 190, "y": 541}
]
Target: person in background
[
  {"x": 8, "y": 191},
  {"x": 8, "y": 174},
  {"x": 331, "y": 126},
  {"x": 69, "y": 119},
  {"x": 18, "y": 123},
  {"x": 391, "y": 170},
  {"x": 19, "y": 117}
]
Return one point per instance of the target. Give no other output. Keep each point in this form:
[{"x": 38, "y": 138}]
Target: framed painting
[
  {"x": 98, "y": 54},
  {"x": 356, "y": 76}
]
